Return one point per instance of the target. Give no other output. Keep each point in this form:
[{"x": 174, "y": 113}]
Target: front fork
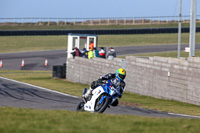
[{"x": 83, "y": 95}]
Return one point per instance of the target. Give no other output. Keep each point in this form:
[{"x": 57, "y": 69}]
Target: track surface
[
  {"x": 36, "y": 60},
  {"x": 17, "y": 94}
]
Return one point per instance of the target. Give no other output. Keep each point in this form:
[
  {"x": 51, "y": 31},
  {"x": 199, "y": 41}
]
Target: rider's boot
[{"x": 89, "y": 92}]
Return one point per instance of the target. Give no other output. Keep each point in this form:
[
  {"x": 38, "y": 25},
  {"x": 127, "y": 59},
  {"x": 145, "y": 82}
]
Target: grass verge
[
  {"x": 58, "y": 121},
  {"x": 35, "y": 43},
  {"x": 44, "y": 79},
  {"x": 183, "y": 54}
]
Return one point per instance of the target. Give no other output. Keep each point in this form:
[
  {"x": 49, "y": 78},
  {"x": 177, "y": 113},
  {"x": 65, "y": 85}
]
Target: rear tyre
[
  {"x": 100, "y": 108},
  {"x": 80, "y": 106}
]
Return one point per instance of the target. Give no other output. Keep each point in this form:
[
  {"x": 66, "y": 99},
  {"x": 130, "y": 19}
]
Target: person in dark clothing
[
  {"x": 76, "y": 52},
  {"x": 85, "y": 53}
]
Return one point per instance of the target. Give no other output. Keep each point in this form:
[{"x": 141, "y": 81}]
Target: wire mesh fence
[{"x": 97, "y": 21}]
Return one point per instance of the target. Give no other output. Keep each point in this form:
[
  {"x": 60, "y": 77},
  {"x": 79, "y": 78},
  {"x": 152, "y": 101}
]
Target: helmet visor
[{"x": 121, "y": 76}]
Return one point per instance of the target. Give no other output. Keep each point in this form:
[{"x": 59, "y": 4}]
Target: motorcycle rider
[{"x": 117, "y": 80}]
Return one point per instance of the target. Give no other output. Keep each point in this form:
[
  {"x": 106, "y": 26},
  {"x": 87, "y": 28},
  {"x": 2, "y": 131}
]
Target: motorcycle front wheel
[
  {"x": 80, "y": 106},
  {"x": 100, "y": 108}
]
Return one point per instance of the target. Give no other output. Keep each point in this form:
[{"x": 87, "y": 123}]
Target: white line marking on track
[
  {"x": 174, "y": 114},
  {"x": 192, "y": 116},
  {"x": 37, "y": 87}
]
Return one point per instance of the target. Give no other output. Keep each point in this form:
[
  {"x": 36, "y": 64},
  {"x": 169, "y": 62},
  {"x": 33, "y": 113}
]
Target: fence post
[
  {"x": 40, "y": 21},
  {"x": 74, "y": 21},
  {"x": 124, "y": 20},
  {"x": 48, "y": 21},
  {"x": 167, "y": 20},
  {"x": 57, "y": 21},
  {"x": 22, "y": 21},
  {"x": 99, "y": 21},
  {"x": 150, "y": 20},
  {"x": 31, "y": 20},
  {"x": 133, "y": 20}
]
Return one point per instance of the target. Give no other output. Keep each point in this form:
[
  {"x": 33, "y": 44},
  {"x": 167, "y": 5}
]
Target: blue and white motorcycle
[{"x": 102, "y": 97}]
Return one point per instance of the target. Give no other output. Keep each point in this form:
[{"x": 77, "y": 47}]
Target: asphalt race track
[
  {"x": 36, "y": 60},
  {"x": 22, "y": 95}
]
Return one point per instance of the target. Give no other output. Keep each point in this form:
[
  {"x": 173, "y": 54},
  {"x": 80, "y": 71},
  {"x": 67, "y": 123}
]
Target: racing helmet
[{"x": 120, "y": 74}]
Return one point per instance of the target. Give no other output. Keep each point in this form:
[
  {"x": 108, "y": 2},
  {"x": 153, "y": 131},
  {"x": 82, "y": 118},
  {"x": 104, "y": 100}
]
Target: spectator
[
  {"x": 91, "y": 45},
  {"x": 85, "y": 53},
  {"x": 96, "y": 53},
  {"x": 76, "y": 52},
  {"x": 111, "y": 54},
  {"x": 90, "y": 54},
  {"x": 102, "y": 53}
]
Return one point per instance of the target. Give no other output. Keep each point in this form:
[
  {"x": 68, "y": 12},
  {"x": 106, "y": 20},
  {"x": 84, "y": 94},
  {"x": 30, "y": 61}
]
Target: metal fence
[{"x": 97, "y": 21}]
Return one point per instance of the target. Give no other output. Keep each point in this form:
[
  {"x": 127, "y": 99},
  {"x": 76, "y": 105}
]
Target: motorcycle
[{"x": 102, "y": 97}]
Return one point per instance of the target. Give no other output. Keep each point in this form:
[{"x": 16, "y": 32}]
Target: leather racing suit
[{"x": 115, "y": 82}]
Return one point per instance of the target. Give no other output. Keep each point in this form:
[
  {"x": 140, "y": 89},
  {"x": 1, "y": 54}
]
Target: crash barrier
[
  {"x": 59, "y": 71},
  {"x": 160, "y": 77},
  {"x": 98, "y": 32}
]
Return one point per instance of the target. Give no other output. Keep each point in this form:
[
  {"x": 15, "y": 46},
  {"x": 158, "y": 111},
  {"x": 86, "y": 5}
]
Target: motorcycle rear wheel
[{"x": 100, "y": 108}]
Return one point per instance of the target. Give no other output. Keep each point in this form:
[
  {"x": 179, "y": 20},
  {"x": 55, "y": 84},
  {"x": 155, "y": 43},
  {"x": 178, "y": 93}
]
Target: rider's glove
[
  {"x": 111, "y": 76},
  {"x": 99, "y": 81},
  {"x": 122, "y": 84}
]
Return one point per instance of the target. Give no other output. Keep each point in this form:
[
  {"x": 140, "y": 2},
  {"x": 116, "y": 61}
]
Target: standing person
[
  {"x": 91, "y": 45},
  {"x": 102, "y": 53},
  {"x": 90, "y": 54},
  {"x": 111, "y": 54},
  {"x": 96, "y": 53}
]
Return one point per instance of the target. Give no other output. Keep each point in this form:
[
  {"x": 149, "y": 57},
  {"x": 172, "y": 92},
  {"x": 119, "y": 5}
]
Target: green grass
[
  {"x": 31, "y": 43},
  {"x": 14, "y": 120},
  {"x": 44, "y": 79},
  {"x": 36, "y": 43},
  {"x": 183, "y": 54}
]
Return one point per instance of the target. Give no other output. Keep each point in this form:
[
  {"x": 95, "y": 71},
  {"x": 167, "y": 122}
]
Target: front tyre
[
  {"x": 100, "y": 108},
  {"x": 80, "y": 106}
]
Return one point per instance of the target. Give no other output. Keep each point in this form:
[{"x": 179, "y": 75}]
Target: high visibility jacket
[
  {"x": 90, "y": 54},
  {"x": 91, "y": 46}
]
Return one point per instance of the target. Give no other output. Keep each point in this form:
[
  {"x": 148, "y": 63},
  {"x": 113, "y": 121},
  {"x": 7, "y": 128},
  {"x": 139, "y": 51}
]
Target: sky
[{"x": 92, "y": 8}]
